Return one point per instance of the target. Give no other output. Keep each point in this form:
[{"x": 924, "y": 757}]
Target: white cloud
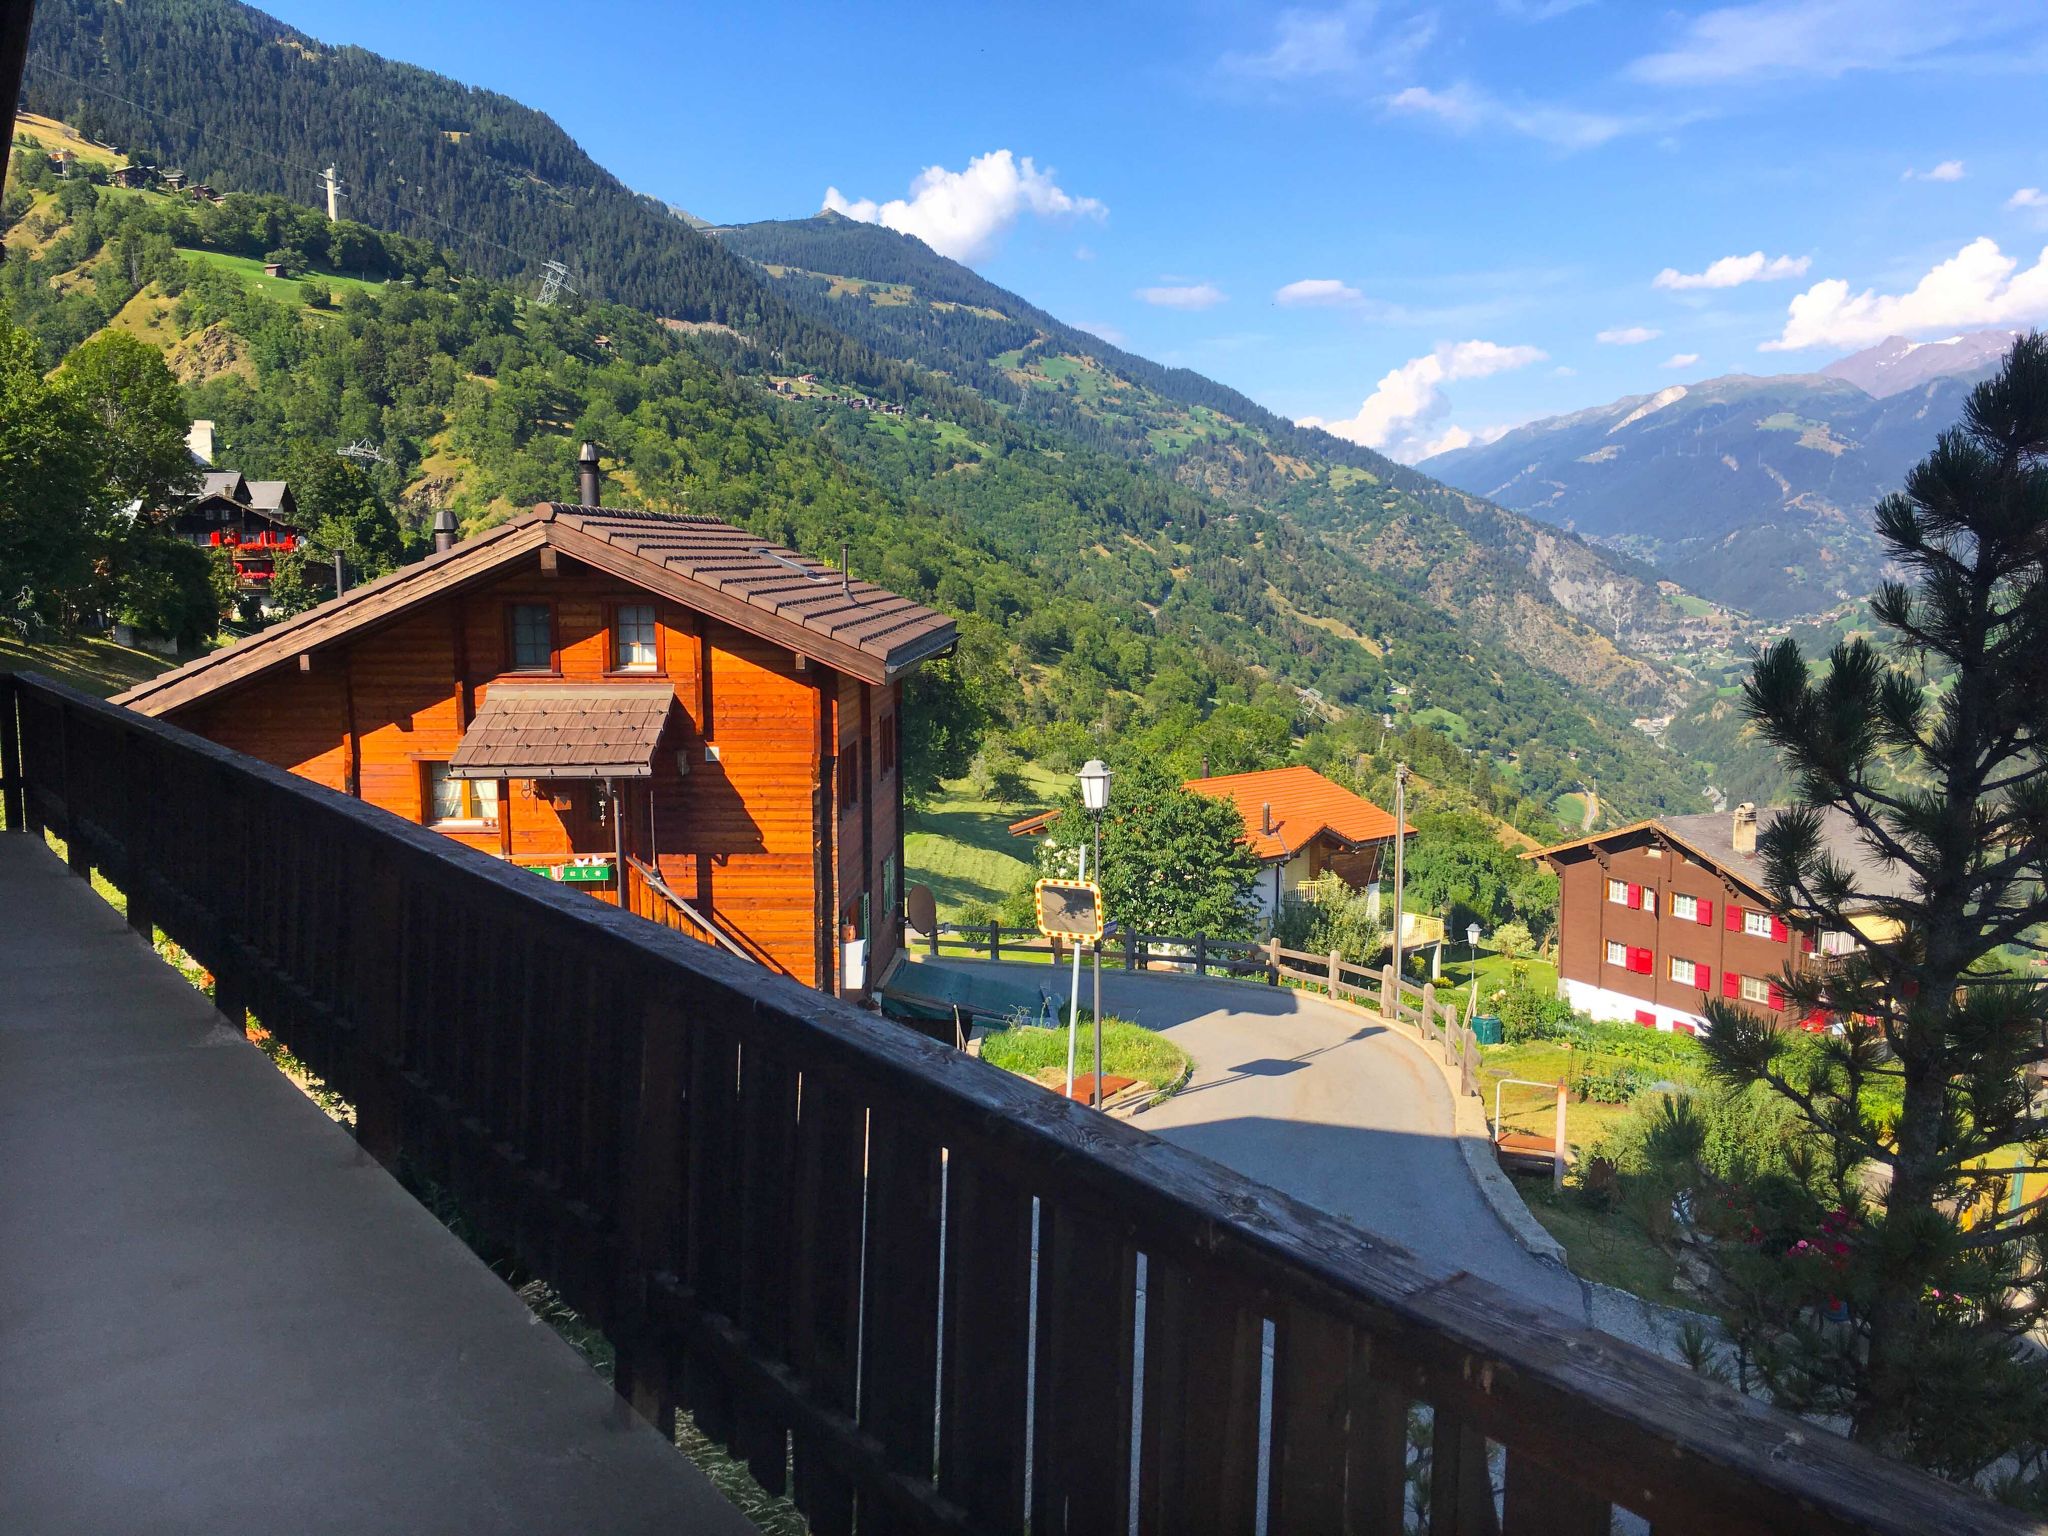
[
  {"x": 1184, "y": 295},
  {"x": 1733, "y": 271},
  {"x": 1335, "y": 45},
  {"x": 1104, "y": 329},
  {"x": 1680, "y": 360},
  {"x": 1948, "y": 170},
  {"x": 1979, "y": 286},
  {"x": 963, "y": 214},
  {"x": 1628, "y": 335},
  {"x": 2027, "y": 197},
  {"x": 1786, "y": 39},
  {"x": 1564, "y": 371},
  {"x": 1313, "y": 292},
  {"x": 1465, "y": 108},
  {"x": 1399, "y": 415}
]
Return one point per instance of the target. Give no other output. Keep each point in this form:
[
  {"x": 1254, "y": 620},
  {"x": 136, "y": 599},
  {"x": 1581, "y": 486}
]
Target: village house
[
  {"x": 1657, "y": 917},
  {"x": 254, "y": 520},
  {"x": 659, "y": 709},
  {"x": 1300, "y": 826}
]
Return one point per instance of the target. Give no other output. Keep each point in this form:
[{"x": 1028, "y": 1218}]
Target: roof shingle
[
  {"x": 1304, "y": 804},
  {"x": 565, "y": 731}
]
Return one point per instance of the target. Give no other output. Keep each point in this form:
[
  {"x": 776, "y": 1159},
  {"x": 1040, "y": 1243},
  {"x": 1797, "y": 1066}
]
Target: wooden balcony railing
[{"x": 909, "y": 1289}]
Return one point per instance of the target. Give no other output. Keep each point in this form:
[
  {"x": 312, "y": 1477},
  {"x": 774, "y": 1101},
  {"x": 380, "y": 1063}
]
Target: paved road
[{"x": 1331, "y": 1107}]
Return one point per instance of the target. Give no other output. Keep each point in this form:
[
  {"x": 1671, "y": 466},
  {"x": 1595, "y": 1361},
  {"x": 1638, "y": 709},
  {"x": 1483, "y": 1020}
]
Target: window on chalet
[
  {"x": 1685, "y": 908},
  {"x": 1757, "y": 925},
  {"x": 447, "y": 800},
  {"x": 1650, "y": 900},
  {"x": 849, "y": 778},
  {"x": 1617, "y": 892},
  {"x": 1684, "y": 972},
  {"x": 891, "y": 893},
  {"x": 633, "y": 637},
  {"x": 533, "y": 637},
  {"x": 1756, "y": 990},
  {"x": 1617, "y": 952},
  {"x": 1836, "y": 942}
]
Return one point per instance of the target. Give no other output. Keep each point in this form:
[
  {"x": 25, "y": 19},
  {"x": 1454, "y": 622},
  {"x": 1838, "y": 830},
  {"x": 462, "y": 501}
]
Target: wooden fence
[{"x": 901, "y": 1284}]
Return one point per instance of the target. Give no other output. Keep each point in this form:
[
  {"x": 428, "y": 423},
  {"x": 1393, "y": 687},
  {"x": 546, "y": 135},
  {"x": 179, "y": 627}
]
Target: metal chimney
[
  {"x": 444, "y": 531},
  {"x": 1266, "y": 818},
  {"x": 588, "y": 489}
]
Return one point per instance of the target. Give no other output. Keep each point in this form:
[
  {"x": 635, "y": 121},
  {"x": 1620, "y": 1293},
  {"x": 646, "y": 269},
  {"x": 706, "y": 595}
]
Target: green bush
[{"x": 1328, "y": 915}]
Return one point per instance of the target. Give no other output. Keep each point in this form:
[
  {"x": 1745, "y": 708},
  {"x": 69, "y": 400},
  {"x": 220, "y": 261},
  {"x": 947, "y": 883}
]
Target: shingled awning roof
[
  {"x": 565, "y": 731},
  {"x": 855, "y": 627}
]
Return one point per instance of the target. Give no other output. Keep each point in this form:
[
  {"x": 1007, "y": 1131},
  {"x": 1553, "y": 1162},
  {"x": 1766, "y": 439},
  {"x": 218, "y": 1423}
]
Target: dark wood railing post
[
  {"x": 934, "y": 942},
  {"x": 1273, "y": 961},
  {"x": 1130, "y": 949},
  {"x": 74, "y": 845},
  {"x": 15, "y": 804},
  {"x": 1201, "y": 954},
  {"x": 995, "y": 941},
  {"x": 138, "y": 817}
]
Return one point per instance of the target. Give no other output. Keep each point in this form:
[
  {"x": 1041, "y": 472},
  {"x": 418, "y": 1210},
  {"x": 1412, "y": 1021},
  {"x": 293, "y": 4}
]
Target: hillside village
[{"x": 909, "y": 874}]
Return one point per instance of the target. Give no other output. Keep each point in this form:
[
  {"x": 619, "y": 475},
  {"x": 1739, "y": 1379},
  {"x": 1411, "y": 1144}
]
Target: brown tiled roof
[
  {"x": 1710, "y": 837},
  {"x": 1304, "y": 805},
  {"x": 565, "y": 731},
  {"x": 820, "y": 604},
  {"x": 855, "y": 627}
]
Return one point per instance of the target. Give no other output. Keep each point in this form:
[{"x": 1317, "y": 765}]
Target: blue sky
[{"x": 1410, "y": 221}]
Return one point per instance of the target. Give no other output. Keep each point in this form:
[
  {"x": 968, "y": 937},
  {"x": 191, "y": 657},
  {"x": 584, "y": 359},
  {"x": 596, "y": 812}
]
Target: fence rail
[{"x": 900, "y": 1284}]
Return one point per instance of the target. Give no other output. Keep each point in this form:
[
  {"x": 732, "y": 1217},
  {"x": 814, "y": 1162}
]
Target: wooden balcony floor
[{"x": 216, "y": 1316}]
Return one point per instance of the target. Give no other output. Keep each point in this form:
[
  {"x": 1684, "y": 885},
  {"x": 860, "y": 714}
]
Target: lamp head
[{"x": 1095, "y": 778}]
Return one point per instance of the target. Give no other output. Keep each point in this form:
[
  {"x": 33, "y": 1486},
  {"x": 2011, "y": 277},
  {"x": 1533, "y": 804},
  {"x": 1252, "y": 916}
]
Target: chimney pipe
[
  {"x": 1266, "y": 818},
  {"x": 444, "y": 531},
  {"x": 588, "y": 489},
  {"x": 1744, "y": 834}
]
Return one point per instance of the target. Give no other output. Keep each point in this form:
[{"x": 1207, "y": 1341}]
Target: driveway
[{"x": 1336, "y": 1109}]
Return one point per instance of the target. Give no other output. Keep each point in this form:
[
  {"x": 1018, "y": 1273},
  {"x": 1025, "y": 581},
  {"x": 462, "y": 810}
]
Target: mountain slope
[
  {"x": 1578, "y": 613},
  {"x": 1753, "y": 491}
]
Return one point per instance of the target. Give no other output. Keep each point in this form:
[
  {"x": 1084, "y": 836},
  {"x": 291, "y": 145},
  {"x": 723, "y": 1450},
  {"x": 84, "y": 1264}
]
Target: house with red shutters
[{"x": 1656, "y": 918}]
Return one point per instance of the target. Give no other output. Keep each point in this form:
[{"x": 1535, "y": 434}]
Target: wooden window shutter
[
  {"x": 1734, "y": 918},
  {"x": 1805, "y": 941},
  {"x": 1704, "y": 975},
  {"x": 1777, "y": 998},
  {"x": 1779, "y": 932},
  {"x": 1706, "y": 914},
  {"x": 1646, "y": 1018},
  {"x": 1731, "y": 984},
  {"x": 1635, "y": 896}
]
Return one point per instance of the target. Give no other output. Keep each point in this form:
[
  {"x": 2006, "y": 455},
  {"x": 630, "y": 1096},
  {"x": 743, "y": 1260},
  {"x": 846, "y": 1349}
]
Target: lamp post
[
  {"x": 1472, "y": 944},
  {"x": 1400, "y": 864},
  {"x": 1095, "y": 778}
]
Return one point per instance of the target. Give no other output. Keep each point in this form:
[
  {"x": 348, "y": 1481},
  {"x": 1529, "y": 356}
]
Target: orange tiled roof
[{"x": 1304, "y": 804}]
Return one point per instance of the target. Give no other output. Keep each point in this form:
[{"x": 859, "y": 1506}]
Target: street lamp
[
  {"x": 1095, "y": 778},
  {"x": 1472, "y": 944}
]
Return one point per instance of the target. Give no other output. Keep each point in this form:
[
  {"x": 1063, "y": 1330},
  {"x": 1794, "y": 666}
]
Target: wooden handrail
[
  {"x": 841, "y": 1243},
  {"x": 660, "y": 887}
]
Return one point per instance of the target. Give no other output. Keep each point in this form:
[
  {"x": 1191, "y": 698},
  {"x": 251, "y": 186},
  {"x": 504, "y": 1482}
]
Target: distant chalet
[
  {"x": 664, "y": 707},
  {"x": 1656, "y": 918},
  {"x": 1301, "y": 826}
]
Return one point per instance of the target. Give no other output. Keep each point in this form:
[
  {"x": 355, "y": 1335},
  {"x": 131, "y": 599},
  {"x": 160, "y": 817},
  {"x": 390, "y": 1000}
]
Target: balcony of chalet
[{"x": 908, "y": 1291}]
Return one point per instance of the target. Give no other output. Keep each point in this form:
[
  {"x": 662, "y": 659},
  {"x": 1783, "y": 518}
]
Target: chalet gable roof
[
  {"x": 1708, "y": 837},
  {"x": 699, "y": 562},
  {"x": 1304, "y": 804}
]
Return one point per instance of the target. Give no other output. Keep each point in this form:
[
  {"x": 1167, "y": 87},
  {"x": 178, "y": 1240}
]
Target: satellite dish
[{"x": 922, "y": 908}]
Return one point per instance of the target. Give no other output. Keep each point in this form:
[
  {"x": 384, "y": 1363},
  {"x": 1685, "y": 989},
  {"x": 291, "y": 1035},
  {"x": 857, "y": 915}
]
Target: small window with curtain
[
  {"x": 633, "y": 637},
  {"x": 449, "y": 799},
  {"x": 1617, "y": 952},
  {"x": 533, "y": 637},
  {"x": 1755, "y": 990},
  {"x": 1617, "y": 892}
]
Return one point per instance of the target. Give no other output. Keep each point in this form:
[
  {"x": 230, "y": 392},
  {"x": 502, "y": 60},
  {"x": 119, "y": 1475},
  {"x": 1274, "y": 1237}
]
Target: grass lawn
[
  {"x": 1535, "y": 1110},
  {"x": 960, "y": 845},
  {"x": 1128, "y": 1050},
  {"x": 284, "y": 290},
  {"x": 1611, "y": 1246},
  {"x": 97, "y": 667},
  {"x": 1495, "y": 972}
]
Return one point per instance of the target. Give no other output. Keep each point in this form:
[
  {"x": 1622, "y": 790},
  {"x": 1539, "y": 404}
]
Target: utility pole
[
  {"x": 552, "y": 285},
  {"x": 332, "y": 183},
  {"x": 1400, "y": 864}
]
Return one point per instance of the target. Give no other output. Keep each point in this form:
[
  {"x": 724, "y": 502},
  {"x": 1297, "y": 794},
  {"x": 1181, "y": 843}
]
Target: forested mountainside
[
  {"x": 1585, "y": 615},
  {"x": 1755, "y": 492},
  {"x": 237, "y": 99},
  {"x": 1157, "y": 608}
]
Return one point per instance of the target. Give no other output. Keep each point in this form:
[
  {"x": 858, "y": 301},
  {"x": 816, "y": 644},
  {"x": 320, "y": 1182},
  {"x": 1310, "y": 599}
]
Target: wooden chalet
[
  {"x": 255, "y": 520},
  {"x": 662, "y": 708},
  {"x": 1301, "y": 825},
  {"x": 1658, "y": 917}
]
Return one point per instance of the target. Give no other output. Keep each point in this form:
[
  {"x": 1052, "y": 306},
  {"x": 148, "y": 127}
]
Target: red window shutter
[
  {"x": 1706, "y": 914},
  {"x": 1635, "y": 896},
  {"x": 1779, "y": 932},
  {"x": 1646, "y": 1018},
  {"x": 1734, "y": 918},
  {"x": 1705, "y": 977},
  {"x": 1690, "y": 1029},
  {"x": 1777, "y": 998},
  {"x": 1646, "y": 962},
  {"x": 1731, "y": 984}
]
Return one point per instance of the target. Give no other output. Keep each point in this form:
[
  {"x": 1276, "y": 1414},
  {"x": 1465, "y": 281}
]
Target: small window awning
[{"x": 565, "y": 731}]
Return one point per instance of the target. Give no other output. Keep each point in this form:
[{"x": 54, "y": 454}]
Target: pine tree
[{"x": 1937, "y": 756}]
